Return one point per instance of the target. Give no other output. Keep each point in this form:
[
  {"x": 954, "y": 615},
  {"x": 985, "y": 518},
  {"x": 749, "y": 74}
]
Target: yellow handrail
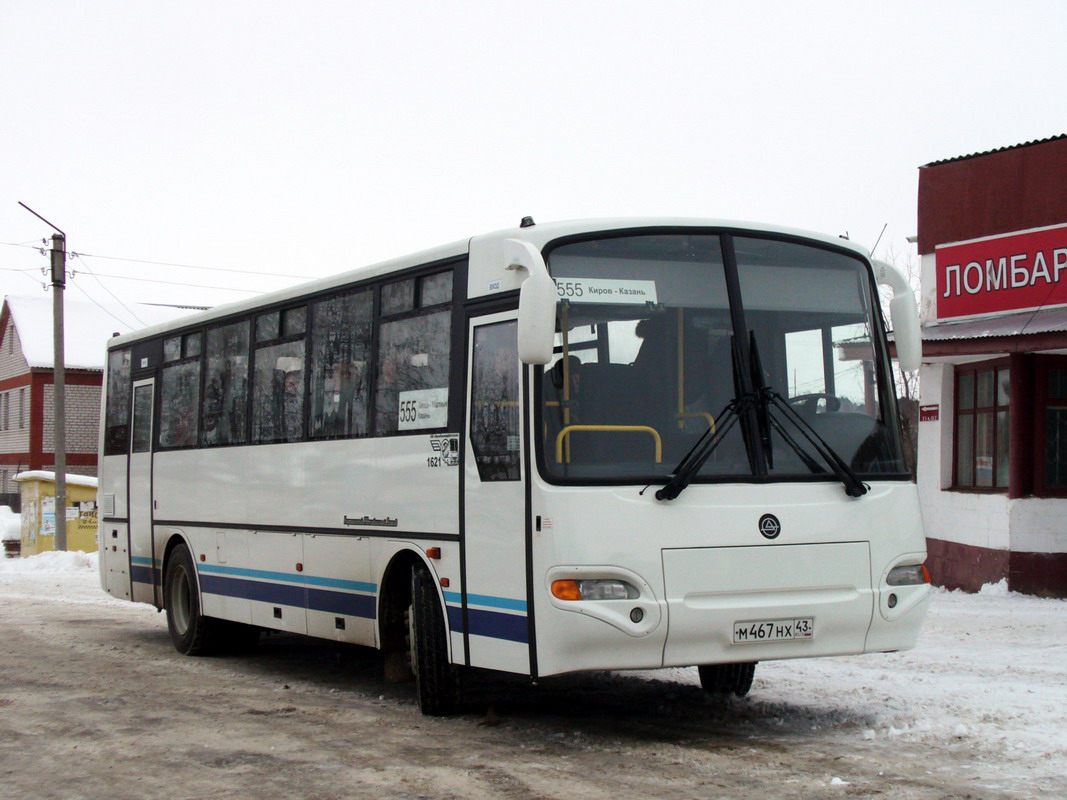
[
  {"x": 564, "y": 434},
  {"x": 704, "y": 414}
]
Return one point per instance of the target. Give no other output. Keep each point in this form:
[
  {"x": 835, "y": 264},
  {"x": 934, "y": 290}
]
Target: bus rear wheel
[
  {"x": 192, "y": 633},
  {"x": 436, "y": 680},
  {"x": 733, "y": 679}
]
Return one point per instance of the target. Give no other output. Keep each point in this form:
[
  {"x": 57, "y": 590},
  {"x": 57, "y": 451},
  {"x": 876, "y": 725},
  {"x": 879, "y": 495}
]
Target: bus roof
[{"x": 537, "y": 234}]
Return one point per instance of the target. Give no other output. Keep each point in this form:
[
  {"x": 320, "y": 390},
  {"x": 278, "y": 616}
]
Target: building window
[
  {"x": 1055, "y": 413},
  {"x": 1050, "y": 423},
  {"x": 982, "y": 418}
]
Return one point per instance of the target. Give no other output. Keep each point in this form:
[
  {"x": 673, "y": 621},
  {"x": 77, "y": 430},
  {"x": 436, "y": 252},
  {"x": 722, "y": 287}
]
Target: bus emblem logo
[{"x": 769, "y": 526}]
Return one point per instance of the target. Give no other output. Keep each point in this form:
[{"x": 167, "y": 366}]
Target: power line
[
  {"x": 194, "y": 266},
  {"x": 27, "y": 244},
  {"x": 176, "y": 283},
  {"x": 89, "y": 270},
  {"x": 26, "y": 272},
  {"x": 43, "y": 249},
  {"x": 108, "y": 311}
]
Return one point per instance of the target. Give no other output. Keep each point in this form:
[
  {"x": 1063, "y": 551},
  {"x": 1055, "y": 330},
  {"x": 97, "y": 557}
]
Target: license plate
[{"x": 773, "y": 630}]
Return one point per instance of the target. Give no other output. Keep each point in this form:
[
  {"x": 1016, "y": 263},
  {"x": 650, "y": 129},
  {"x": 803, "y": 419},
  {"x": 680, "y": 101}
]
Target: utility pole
[{"x": 59, "y": 283}]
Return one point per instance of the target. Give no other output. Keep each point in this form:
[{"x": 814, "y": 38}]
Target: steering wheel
[{"x": 807, "y": 404}]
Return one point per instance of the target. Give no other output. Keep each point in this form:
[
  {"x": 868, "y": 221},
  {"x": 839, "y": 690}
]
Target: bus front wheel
[
  {"x": 727, "y": 678},
  {"x": 436, "y": 680}
]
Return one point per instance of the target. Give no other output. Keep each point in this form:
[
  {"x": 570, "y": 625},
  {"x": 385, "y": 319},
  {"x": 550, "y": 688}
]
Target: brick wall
[
  {"x": 15, "y": 419},
  {"x": 12, "y": 362},
  {"x": 83, "y": 419}
]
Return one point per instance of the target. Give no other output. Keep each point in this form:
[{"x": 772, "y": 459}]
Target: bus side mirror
[
  {"x": 537, "y": 302},
  {"x": 905, "y": 314}
]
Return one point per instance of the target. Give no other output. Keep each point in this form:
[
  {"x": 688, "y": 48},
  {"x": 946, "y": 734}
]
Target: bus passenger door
[
  {"x": 140, "y": 493},
  {"x": 494, "y": 604}
]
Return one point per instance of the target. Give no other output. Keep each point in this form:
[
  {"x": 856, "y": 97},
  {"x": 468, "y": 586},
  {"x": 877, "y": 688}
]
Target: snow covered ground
[{"x": 989, "y": 675}]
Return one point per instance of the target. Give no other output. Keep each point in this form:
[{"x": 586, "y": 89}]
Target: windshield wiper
[
  {"x": 854, "y": 487},
  {"x": 700, "y": 452},
  {"x": 767, "y": 396},
  {"x": 760, "y": 400}
]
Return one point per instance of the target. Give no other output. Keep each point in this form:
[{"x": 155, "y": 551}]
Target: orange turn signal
[
  {"x": 566, "y": 590},
  {"x": 433, "y": 552}
]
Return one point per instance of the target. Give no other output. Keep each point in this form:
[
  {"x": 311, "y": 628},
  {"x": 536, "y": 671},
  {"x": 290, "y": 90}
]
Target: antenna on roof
[{"x": 876, "y": 241}]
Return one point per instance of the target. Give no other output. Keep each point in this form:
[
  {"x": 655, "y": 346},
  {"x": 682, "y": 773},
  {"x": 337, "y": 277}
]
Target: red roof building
[
  {"x": 992, "y": 465},
  {"x": 27, "y": 432}
]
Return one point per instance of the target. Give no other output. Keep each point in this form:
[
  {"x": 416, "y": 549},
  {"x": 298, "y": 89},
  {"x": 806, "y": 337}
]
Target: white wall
[
  {"x": 1039, "y": 525},
  {"x": 980, "y": 520},
  {"x": 928, "y": 292}
]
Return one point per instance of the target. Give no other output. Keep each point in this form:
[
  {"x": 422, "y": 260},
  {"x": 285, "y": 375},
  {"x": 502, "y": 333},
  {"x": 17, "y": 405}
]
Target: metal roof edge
[{"x": 996, "y": 150}]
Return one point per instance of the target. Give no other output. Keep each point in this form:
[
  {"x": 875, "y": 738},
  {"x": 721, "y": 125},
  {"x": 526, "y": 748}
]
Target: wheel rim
[{"x": 180, "y": 604}]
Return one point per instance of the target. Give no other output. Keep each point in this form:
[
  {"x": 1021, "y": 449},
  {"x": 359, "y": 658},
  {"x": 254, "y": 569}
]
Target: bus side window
[
  {"x": 278, "y": 397},
  {"x": 180, "y": 403},
  {"x": 340, "y": 351},
  {"x": 495, "y": 402},
  {"x": 413, "y": 361},
  {"x": 142, "y": 420},
  {"x": 117, "y": 422},
  {"x": 224, "y": 403}
]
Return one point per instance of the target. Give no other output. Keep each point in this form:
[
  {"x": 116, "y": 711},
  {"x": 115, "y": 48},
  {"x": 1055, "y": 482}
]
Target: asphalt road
[{"x": 95, "y": 703}]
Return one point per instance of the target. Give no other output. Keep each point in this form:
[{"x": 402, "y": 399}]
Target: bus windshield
[{"x": 660, "y": 335}]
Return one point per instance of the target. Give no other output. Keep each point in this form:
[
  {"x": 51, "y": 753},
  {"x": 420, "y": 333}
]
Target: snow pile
[
  {"x": 10, "y": 524},
  {"x": 996, "y": 589},
  {"x": 47, "y": 475},
  {"x": 52, "y": 563}
]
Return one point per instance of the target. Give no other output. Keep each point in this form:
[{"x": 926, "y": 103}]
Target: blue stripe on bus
[
  {"x": 299, "y": 591},
  {"x": 253, "y": 590},
  {"x": 306, "y": 580},
  {"x": 492, "y": 624},
  {"x": 353, "y": 605},
  {"x": 141, "y": 574},
  {"x": 487, "y": 600}
]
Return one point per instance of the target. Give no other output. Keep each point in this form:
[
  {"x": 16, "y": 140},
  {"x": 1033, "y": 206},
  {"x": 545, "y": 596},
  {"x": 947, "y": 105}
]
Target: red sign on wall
[{"x": 1002, "y": 273}]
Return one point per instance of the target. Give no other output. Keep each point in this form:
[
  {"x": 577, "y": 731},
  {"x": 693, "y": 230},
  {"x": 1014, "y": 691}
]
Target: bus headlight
[
  {"x": 908, "y": 575},
  {"x": 594, "y": 590}
]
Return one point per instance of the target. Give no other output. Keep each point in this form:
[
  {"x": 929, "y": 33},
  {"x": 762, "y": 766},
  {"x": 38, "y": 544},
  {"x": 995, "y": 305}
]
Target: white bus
[{"x": 613, "y": 444}]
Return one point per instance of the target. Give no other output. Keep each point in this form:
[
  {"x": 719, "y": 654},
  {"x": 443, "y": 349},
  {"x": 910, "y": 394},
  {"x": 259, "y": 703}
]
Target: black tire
[
  {"x": 192, "y": 633},
  {"x": 436, "y": 680},
  {"x": 727, "y": 678}
]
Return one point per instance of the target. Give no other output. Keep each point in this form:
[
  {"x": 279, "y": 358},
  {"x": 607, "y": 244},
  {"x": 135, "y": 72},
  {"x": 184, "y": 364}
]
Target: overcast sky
[{"x": 303, "y": 139}]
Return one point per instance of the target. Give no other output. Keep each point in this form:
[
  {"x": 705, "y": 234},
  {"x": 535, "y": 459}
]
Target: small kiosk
[{"x": 38, "y": 491}]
